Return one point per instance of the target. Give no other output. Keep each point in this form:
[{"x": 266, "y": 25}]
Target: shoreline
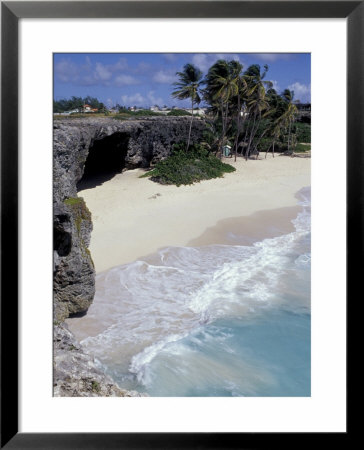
[
  {"x": 134, "y": 217},
  {"x": 246, "y": 230}
]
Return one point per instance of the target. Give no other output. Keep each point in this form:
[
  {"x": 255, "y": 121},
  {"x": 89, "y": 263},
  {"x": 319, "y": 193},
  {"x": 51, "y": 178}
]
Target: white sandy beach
[{"x": 134, "y": 217}]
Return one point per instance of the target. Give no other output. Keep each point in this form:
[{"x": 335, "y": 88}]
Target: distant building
[
  {"x": 304, "y": 112},
  {"x": 196, "y": 111},
  {"x": 88, "y": 109},
  {"x": 154, "y": 108},
  {"x": 303, "y": 106},
  {"x": 67, "y": 113}
]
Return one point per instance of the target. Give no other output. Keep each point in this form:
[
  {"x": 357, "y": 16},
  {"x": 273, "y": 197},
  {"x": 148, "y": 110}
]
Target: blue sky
[{"x": 146, "y": 79}]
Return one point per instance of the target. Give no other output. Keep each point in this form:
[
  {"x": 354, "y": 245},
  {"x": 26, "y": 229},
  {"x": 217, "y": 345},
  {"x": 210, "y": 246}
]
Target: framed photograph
[{"x": 156, "y": 178}]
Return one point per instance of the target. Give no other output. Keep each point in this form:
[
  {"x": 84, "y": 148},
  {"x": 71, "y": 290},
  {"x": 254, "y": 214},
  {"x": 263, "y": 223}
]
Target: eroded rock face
[
  {"x": 76, "y": 374},
  {"x": 148, "y": 141},
  {"x": 141, "y": 143},
  {"x": 74, "y": 273}
]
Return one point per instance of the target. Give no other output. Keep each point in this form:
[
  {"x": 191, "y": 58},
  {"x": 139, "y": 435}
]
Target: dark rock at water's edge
[{"x": 82, "y": 148}]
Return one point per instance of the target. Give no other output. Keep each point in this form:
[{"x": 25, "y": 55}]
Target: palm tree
[
  {"x": 211, "y": 137},
  {"x": 222, "y": 84},
  {"x": 257, "y": 101},
  {"x": 278, "y": 108},
  {"x": 188, "y": 87},
  {"x": 291, "y": 112},
  {"x": 259, "y": 107}
]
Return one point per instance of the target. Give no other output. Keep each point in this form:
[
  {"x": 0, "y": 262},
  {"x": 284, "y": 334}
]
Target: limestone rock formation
[
  {"x": 76, "y": 374},
  {"x": 93, "y": 143}
]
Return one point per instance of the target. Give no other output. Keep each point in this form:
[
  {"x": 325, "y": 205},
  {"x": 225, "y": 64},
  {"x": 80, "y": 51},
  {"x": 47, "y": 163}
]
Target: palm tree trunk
[
  {"x": 245, "y": 136},
  {"x": 238, "y": 128},
  {"x": 189, "y": 133},
  {"x": 266, "y": 152},
  {"x": 252, "y": 134},
  {"x": 260, "y": 138},
  {"x": 223, "y": 129},
  {"x": 289, "y": 135}
]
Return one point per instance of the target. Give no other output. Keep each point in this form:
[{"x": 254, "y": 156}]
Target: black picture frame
[{"x": 11, "y": 12}]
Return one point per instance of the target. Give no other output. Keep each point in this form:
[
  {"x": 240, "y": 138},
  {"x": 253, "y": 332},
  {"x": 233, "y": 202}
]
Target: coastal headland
[
  {"x": 111, "y": 216},
  {"x": 93, "y": 145}
]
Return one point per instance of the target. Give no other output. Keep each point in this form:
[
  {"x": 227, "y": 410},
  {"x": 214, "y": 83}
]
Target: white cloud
[
  {"x": 276, "y": 85},
  {"x": 272, "y": 57},
  {"x": 205, "y": 60},
  {"x": 65, "y": 70},
  {"x": 124, "y": 80},
  {"x": 164, "y": 77},
  {"x": 88, "y": 61},
  {"x": 89, "y": 74},
  {"x": 202, "y": 61},
  {"x": 153, "y": 99},
  {"x": 138, "y": 99},
  {"x": 134, "y": 99},
  {"x": 120, "y": 65},
  {"x": 301, "y": 91},
  {"x": 170, "y": 57},
  {"x": 102, "y": 72},
  {"x": 142, "y": 68}
]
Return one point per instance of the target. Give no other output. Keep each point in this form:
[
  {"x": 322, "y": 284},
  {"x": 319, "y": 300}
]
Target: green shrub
[
  {"x": 188, "y": 167},
  {"x": 145, "y": 112},
  {"x": 126, "y": 114},
  {"x": 95, "y": 386},
  {"x": 264, "y": 144},
  {"x": 71, "y": 201},
  {"x": 301, "y": 148},
  {"x": 178, "y": 112},
  {"x": 303, "y": 132}
]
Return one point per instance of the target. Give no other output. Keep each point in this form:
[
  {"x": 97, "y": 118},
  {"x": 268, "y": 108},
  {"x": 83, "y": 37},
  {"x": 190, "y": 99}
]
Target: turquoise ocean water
[{"x": 219, "y": 320}]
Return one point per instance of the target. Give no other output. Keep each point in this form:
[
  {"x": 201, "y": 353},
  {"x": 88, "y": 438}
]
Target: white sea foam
[{"x": 144, "y": 307}]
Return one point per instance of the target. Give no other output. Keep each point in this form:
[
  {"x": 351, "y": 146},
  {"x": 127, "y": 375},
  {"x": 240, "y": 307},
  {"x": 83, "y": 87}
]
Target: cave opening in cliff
[{"x": 105, "y": 159}]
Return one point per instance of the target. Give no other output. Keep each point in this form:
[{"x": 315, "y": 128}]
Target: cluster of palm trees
[{"x": 245, "y": 111}]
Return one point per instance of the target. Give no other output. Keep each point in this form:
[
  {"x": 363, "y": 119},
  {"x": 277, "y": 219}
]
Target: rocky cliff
[
  {"x": 76, "y": 374},
  {"x": 86, "y": 146}
]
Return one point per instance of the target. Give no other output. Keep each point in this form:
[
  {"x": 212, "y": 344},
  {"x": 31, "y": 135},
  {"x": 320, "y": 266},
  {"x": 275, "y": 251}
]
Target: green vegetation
[
  {"x": 95, "y": 386},
  {"x": 303, "y": 131},
  {"x": 302, "y": 148},
  {"x": 188, "y": 86},
  {"x": 71, "y": 201},
  {"x": 178, "y": 112},
  {"x": 245, "y": 112},
  {"x": 73, "y": 103},
  {"x": 188, "y": 166},
  {"x": 80, "y": 213},
  {"x": 125, "y": 114}
]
